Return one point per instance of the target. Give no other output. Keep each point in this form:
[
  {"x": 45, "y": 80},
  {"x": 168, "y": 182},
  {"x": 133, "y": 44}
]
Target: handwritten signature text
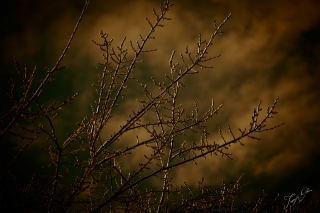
[{"x": 292, "y": 199}]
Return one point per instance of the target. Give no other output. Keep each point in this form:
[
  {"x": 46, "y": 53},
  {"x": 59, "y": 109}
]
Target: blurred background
[{"x": 268, "y": 49}]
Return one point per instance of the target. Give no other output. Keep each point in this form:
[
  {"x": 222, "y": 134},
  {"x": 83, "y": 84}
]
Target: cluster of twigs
[{"x": 100, "y": 183}]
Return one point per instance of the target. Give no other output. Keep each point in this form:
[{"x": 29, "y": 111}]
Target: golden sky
[{"x": 268, "y": 49}]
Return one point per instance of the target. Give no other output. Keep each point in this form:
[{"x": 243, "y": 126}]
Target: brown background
[{"x": 269, "y": 49}]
